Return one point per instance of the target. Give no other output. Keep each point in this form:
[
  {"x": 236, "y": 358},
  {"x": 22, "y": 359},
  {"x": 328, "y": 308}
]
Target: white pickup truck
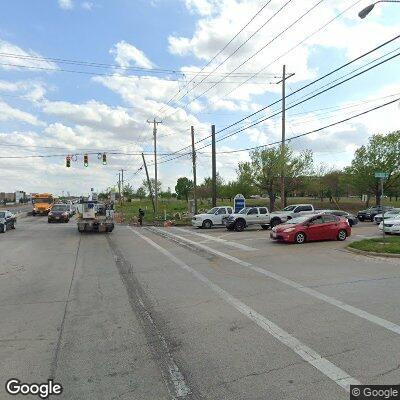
[
  {"x": 248, "y": 216},
  {"x": 215, "y": 216},
  {"x": 289, "y": 212}
]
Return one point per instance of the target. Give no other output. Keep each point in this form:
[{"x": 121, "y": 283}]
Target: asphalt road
[{"x": 165, "y": 313}]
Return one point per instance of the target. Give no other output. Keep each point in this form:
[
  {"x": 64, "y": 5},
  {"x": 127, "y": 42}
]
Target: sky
[{"x": 81, "y": 76}]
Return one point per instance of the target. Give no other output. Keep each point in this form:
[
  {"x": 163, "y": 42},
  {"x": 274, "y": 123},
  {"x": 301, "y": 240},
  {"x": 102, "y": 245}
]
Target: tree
[
  {"x": 381, "y": 154},
  {"x": 141, "y": 192},
  {"x": 264, "y": 169},
  {"x": 183, "y": 187},
  {"x": 128, "y": 191},
  {"x": 152, "y": 183}
]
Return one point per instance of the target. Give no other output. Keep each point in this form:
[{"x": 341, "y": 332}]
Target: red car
[{"x": 308, "y": 228}]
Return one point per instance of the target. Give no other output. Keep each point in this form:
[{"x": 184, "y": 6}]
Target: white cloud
[
  {"x": 14, "y": 57},
  {"x": 87, "y": 5},
  {"x": 201, "y": 7},
  {"x": 8, "y": 113},
  {"x": 66, "y": 4},
  {"x": 127, "y": 55}
]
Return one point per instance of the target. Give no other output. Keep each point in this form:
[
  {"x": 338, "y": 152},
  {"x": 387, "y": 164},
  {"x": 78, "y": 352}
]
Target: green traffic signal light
[
  {"x": 68, "y": 161},
  {"x": 86, "y": 160},
  {"x": 104, "y": 158}
]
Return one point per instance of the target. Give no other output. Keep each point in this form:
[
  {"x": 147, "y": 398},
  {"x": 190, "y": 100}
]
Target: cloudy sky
[{"x": 84, "y": 76}]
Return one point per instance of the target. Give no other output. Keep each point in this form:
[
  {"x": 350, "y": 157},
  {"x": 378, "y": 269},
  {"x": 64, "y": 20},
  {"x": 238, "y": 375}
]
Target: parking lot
[{"x": 193, "y": 313}]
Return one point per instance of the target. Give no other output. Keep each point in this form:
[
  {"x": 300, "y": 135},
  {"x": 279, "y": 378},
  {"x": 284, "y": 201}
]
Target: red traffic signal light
[
  {"x": 104, "y": 158},
  {"x": 68, "y": 161},
  {"x": 85, "y": 160}
]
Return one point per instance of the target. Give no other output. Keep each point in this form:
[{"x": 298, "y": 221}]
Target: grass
[
  {"x": 376, "y": 245},
  {"x": 177, "y": 210}
]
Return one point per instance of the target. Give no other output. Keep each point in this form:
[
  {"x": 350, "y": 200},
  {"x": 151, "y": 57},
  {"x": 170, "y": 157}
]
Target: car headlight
[
  {"x": 287, "y": 230},
  {"x": 65, "y": 214}
]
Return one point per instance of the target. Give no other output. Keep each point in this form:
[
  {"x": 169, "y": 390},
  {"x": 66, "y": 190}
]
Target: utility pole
[
  {"x": 283, "y": 197},
  {"x": 121, "y": 190},
  {"x": 214, "y": 167},
  {"x": 194, "y": 171},
  {"x": 155, "y": 123},
  {"x": 149, "y": 183},
  {"x": 283, "y": 81},
  {"x": 119, "y": 187}
]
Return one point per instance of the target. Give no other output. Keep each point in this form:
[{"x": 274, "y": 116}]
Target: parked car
[
  {"x": 7, "y": 221},
  {"x": 370, "y": 213},
  {"x": 59, "y": 213},
  {"x": 248, "y": 216},
  {"x": 308, "y": 228},
  {"x": 339, "y": 213},
  {"x": 388, "y": 215},
  {"x": 289, "y": 212},
  {"x": 392, "y": 226},
  {"x": 213, "y": 217}
]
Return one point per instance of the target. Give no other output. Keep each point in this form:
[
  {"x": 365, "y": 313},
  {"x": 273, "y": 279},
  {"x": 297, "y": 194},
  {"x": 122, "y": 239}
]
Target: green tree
[
  {"x": 152, "y": 183},
  {"x": 141, "y": 192},
  {"x": 128, "y": 191},
  {"x": 381, "y": 154},
  {"x": 264, "y": 169},
  {"x": 183, "y": 187}
]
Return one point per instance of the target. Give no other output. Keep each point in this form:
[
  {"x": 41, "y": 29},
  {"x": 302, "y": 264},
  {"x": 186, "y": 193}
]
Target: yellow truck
[{"x": 42, "y": 203}]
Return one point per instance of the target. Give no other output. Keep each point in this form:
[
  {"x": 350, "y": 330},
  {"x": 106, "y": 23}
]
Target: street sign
[
  {"x": 382, "y": 175},
  {"x": 239, "y": 202}
]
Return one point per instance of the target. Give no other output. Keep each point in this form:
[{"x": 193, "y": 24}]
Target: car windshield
[
  {"x": 59, "y": 208},
  {"x": 297, "y": 220},
  {"x": 213, "y": 210},
  {"x": 244, "y": 210},
  {"x": 289, "y": 208}
]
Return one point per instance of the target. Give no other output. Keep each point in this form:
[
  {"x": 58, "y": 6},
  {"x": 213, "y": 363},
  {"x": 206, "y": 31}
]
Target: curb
[{"x": 372, "y": 253}]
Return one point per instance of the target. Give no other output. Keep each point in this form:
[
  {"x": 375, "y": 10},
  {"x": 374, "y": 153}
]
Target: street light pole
[{"x": 365, "y": 11}]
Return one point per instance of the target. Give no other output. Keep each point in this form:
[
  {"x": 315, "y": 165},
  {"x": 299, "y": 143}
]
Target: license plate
[
  {"x": 57, "y": 217},
  {"x": 274, "y": 234}
]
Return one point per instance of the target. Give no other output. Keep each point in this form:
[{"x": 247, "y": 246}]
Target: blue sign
[{"x": 239, "y": 202}]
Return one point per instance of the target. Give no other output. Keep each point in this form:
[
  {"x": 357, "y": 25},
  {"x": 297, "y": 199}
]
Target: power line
[
  {"x": 78, "y": 154},
  {"x": 314, "y": 130},
  {"x": 257, "y": 52},
  {"x": 304, "y": 87},
  {"x": 219, "y": 52},
  {"x": 114, "y": 66},
  {"x": 295, "y": 46}
]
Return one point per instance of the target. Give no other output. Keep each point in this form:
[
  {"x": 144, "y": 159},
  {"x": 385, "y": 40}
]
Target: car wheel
[
  {"x": 239, "y": 226},
  {"x": 265, "y": 227},
  {"x": 13, "y": 225},
  {"x": 342, "y": 235},
  {"x": 300, "y": 238},
  {"x": 229, "y": 228},
  {"x": 275, "y": 222},
  {"x": 3, "y": 228},
  {"x": 207, "y": 224}
]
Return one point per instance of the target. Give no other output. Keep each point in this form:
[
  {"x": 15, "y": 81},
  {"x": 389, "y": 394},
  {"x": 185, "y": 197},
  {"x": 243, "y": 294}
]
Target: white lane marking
[
  {"x": 216, "y": 239},
  {"x": 329, "y": 369},
  {"x": 337, "y": 303}
]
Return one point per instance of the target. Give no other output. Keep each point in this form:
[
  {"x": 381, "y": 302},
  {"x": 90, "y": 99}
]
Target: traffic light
[
  {"x": 104, "y": 159},
  {"x": 85, "y": 160},
  {"x": 68, "y": 161}
]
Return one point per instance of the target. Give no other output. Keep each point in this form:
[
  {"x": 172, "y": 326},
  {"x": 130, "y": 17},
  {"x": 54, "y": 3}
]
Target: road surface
[{"x": 166, "y": 313}]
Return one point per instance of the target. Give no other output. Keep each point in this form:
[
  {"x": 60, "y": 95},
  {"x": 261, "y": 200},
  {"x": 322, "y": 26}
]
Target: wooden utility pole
[
  {"x": 283, "y": 195},
  {"x": 283, "y": 161},
  {"x": 119, "y": 187},
  {"x": 155, "y": 123},
  {"x": 121, "y": 190},
  {"x": 214, "y": 167},
  {"x": 194, "y": 171},
  {"x": 149, "y": 183}
]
